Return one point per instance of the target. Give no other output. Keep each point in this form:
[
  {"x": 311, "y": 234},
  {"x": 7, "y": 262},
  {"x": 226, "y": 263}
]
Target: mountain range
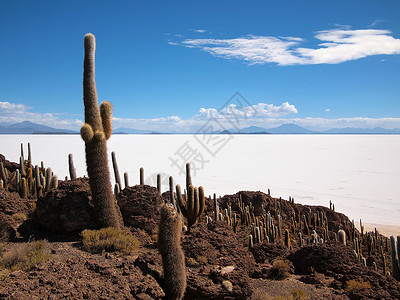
[{"x": 28, "y": 127}]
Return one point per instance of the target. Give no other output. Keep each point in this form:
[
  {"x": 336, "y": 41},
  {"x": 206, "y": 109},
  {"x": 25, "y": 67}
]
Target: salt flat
[{"x": 360, "y": 174}]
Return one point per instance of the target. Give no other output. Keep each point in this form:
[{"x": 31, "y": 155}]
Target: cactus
[
  {"x": 22, "y": 165},
  {"x": 342, "y": 237},
  {"x": 193, "y": 207},
  {"x": 94, "y": 134},
  {"x": 159, "y": 183},
  {"x": 173, "y": 258},
  {"x": 3, "y": 175},
  {"x": 250, "y": 244},
  {"x": 171, "y": 191},
  {"x": 188, "y": 176},
  {"x": 394, "y": 250},
  {"x": 72, "y": 170},
  {"x": 287, "y": 239},
  {"x": 126, "y": 179},
  {"x": 141, "y": 175},
  {"x": 115, "y": 168},
  {"x": 54, "y": 182},
  {"x": 48, "y": 179},
  {"x": 23, "y": 192},
  {"x": 216, "y": 208}
]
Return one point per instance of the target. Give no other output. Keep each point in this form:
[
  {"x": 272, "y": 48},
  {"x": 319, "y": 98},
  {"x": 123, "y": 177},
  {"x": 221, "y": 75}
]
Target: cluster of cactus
[
  {"x": 95, "y": 133},
  {"x": 28, "y": 181}
]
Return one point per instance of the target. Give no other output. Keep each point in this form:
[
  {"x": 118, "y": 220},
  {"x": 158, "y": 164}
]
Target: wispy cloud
[
  {"x": 337, "y": 46},
  {"x": 374, "y": 23},
  {"x": 199, "y": 30},
  {"x": 16, "y": 112}
]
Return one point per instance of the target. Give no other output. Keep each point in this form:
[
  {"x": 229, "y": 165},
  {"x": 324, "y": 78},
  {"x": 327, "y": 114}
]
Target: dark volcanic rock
[
  {"x": 338, "y": 261},
  {"x": 218, "y": 245},
  {"x": 268, "y": 251},
  {"x": 67, "y": 209},
  {"x": 14, "y": 211},
  {"x": 139, "y": 206}
]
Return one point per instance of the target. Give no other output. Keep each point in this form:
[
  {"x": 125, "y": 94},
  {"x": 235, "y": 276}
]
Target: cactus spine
[
  {"x": 94, "y": 134},
  {"x": 173, "y": 258}
]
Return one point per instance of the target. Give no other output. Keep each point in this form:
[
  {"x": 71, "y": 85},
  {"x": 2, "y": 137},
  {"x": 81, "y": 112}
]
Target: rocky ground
[{"x": 219, "y": 262}]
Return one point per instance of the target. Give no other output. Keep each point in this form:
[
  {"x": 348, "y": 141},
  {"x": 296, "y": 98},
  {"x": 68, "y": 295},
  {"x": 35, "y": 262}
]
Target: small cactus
[
  {"x": 141, "y": 175},
  {"x": 342, "y": 237},
  {"x": 116, "y": 170},
  {"x": 126, "y": 179},
  {"x": 159, "y": 183},
  {"x": 394, "y": 250},
  {"x": 173, "y": 258},
  {"x": 287, "y": 239},
  {"x": 3, "y": 175},
  {"x": 72, "y": 170}
]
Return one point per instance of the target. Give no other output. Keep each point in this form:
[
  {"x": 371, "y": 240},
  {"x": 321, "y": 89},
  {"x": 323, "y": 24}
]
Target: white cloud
[
  {"x": 16, "y": 112},
  {"x": 327, "y": 109},
  {"x": 338, "y": 45},
  {"x": 198, "y": 30},
  {"x": 260, "y": 110}
]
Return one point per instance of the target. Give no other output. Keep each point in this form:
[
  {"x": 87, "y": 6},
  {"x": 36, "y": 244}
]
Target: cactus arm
[
  {"x": 87, "y": 133},
  {"x": 202, "y": 201},
  {"x": 106, "y": 118}
]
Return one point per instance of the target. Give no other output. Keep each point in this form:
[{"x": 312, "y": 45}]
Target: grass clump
[
  {"x": 354, "y": 285},
  {"x": 109, "y": 240},
  {"x": 24, "y": 256},
  {"x": 280, "y": 270}
]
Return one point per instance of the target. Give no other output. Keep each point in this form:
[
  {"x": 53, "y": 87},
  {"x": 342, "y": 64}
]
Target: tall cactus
[
  {"x": 173, "y": 258},
  {"x": 96, "y": 130}
]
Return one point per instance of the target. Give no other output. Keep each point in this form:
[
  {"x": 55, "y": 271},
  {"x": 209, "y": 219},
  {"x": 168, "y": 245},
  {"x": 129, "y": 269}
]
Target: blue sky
[{"x": 169, "y": 65}]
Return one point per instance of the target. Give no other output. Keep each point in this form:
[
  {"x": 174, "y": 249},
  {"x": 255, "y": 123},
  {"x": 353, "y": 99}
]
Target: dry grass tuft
[
  {"x": 24, "y": 256},
  {"x": 354, "y": 285},
  {"x": 280, "y": 270},
  {"x": 109, "y": 240}
]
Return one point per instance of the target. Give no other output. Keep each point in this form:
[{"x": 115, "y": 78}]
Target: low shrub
[
  {"x": 24, "y": 256},
  {"x": 354, "y": 285},
  {"x": 280, "y": 270},
  {"x": 109, "y": 240}
]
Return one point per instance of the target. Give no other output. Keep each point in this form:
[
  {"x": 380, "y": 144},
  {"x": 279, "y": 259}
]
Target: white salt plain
[{"x": 360, "y": 174}]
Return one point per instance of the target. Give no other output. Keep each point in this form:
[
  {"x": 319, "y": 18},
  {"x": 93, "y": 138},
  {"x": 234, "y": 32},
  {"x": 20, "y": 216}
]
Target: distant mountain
[
  {"x": 27, "y": 127},
  {"x": 290, "y": 129},
  {"x": 253, "y": 129},
  {"x": 351, "y": 130},
  {"x": 123, "y": 130}
]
